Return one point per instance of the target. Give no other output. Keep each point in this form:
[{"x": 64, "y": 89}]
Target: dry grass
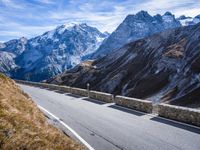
[
  {"x": 174, "y": 54},
  {"x": 87, "y": 63},
  {"x": 176, "y": 50},
  {"x": 23, "y": 125}
]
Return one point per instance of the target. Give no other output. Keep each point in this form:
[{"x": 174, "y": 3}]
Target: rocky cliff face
[
  {"x": 162, "y": 67},
  {"x": 49, "y": 54},
  {"x": 7, "y": 62},
  {"x": 136, "y": 27}
]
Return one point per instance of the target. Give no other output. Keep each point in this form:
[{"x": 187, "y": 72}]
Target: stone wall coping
[
  {"x": 78, "y": 89},
  {"x": 134, "y": 99},
  {"x": 108, "y": 94},
  {"x": 63, "y": 86}
]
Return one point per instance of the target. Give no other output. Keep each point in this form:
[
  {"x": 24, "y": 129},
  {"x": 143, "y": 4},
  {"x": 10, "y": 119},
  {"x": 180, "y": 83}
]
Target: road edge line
[{"x": 69, "y": 128}]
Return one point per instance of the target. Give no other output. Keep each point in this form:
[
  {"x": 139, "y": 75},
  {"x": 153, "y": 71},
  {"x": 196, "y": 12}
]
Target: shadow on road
[
  {"x": 61, "y": 92},
  {"x": 93, "y": 101},
  {"x": 126, "y": 110},
  {"x": 73, "y": 95},
  {"x": 42, "y": 88},
  {"x": 178, "y": 125},
  {"x": 49, "y": 89}
]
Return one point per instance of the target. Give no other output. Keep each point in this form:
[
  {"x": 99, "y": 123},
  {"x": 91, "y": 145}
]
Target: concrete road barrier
[
  {"x": 105, "y": 97},
  {"x": 53, "y": 87},
  {"x": 183, "y": 114},
  {"x": 66, "y": 89},
  {"x": 78, "y": 91},
  {"x": 133, "y": 103}
]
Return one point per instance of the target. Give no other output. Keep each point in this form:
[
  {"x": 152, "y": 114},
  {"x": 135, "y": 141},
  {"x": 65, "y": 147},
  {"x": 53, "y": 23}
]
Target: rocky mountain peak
[
  {"x": 135, "y": 27},
  {"x": 168, "y": 17},
  {"x": 168, "y": 14},
  {"x": 143, "y": 14},
  {"x": 198, "y": 16},
  {"x": 182, "y": 17},
  {"x": 23, "y": 40},
  {"x": 158, "y": 17}
]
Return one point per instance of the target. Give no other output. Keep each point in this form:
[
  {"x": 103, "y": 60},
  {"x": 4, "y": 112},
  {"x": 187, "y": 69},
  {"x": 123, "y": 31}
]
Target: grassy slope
[{"x": 23, "y": 125}]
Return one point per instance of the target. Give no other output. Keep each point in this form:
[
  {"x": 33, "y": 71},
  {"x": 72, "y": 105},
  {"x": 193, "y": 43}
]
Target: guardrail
[{"x": 182, "y": 114}]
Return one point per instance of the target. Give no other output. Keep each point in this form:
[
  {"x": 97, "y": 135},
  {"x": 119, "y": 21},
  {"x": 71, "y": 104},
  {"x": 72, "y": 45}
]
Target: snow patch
[
  {"x": 56, "y": 40},
  {"x": 62, "y": 46},
  {"x": 186, "y": 22},
  {"x": 23, "y": 40},
  {"x": 34, "y": 43},
  {"x": 7, "y": 61},
  {"x": 100, "y": 39},
  {"x": 196, "y": 20},
  {"x": 48, "y": 35},
  {"x": 167, "y": 18},
  {"x": 2, "y": 45},
  {"x": 67, "y": 26},
  {"x": 75, "y": 60}
]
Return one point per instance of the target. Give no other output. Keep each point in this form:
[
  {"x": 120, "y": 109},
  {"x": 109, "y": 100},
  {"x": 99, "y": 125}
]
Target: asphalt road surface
[{"x": 107, "y": 126}]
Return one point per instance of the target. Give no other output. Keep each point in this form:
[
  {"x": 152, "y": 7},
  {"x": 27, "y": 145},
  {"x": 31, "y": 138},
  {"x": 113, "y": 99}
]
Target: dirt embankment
[{"x": 23, "y": 125}]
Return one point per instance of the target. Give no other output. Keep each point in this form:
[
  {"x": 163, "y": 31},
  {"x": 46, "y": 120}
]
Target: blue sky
[{"x": 30, "y": 18}]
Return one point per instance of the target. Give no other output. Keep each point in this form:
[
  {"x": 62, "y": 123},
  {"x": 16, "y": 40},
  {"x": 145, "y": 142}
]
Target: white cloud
[
  {"x": 11, "y": 4},
  {"x": 108, "y": 21},
  {"x": 178, "y": 7},
  {"x": 18, "y": 30},
  {"x": 29, "y": 19},
  {"x": 46, "y": 1}
]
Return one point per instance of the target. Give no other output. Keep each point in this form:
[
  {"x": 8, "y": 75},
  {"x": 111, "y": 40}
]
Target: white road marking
[
  {"x": 148, "y": 114},
  {"x": 69, "y": 128}
]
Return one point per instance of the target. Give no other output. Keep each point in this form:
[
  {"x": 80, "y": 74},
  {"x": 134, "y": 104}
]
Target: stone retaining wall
[
  {"x": 133, "y": 103},
  {"x": 52, "y": 86},
  {"x": 66, "y": 89},
  {"x": 183, "y": 114},
  {"x": 78, "y": 91},
  {"x": 105, "y": 97}
]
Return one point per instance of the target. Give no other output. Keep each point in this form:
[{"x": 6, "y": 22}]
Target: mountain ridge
[
  {"x": 44, "y": 56},
  {"x": 138, "y": 26},
  {"x": 134, "y": 27},
  {"x": 162, "y": 67},
  {"x": 66, "y": 46}
]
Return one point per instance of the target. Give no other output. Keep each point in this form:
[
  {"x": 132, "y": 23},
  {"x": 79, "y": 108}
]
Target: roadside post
[{"x": 88, "y": 89}]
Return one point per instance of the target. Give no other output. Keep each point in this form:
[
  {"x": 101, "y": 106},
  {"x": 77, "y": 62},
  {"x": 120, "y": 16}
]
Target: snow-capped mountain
[
  {"x": 51, "y": 53},
  {"x": 68, "y": 45},
  {"x": 136, "y": 27},
  {"x": 186, "y": 21}
]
